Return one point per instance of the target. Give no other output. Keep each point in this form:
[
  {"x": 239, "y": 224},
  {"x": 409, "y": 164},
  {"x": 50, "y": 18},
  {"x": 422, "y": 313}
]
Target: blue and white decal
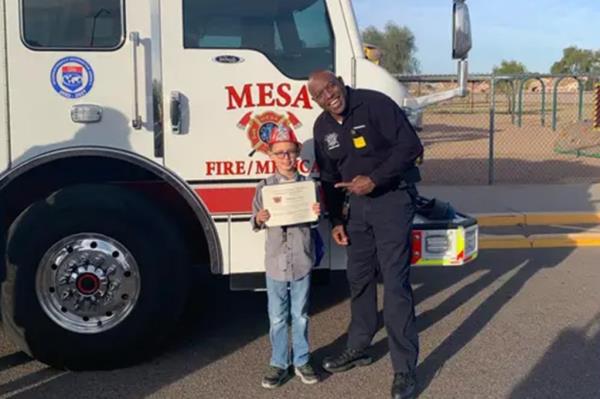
[{"x": 72, "y": 77}]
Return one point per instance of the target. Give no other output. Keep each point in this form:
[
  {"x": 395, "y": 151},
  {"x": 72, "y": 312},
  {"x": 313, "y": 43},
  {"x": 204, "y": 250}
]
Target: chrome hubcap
[{"x": 88, "y": 283}]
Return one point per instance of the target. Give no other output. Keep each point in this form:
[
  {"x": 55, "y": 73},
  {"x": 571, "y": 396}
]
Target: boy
[{"x": 288, "y": 262}]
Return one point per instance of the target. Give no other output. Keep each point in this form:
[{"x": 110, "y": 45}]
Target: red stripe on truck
[{"x": 227, "y": 200}]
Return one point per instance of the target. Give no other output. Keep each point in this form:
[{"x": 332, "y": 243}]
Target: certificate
[{"x": 290, "y": 203}]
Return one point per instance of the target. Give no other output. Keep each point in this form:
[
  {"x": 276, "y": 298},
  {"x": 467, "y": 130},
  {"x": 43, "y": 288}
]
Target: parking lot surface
[{"x": 513, "y": 324}]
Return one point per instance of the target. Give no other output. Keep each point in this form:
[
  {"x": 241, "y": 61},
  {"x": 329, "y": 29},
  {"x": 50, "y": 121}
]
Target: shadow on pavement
[
  {"x": 13, "y": 360},
  {"x": 219, "y": 323},
  {"x": 569, "y": 369},
  {"x": 377, "y": 350},
  {"x": 507, "y": 280},
  {"x": 37, "y": 378}
]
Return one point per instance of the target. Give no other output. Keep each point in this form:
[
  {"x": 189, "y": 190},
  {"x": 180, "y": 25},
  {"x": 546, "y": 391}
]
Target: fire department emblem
[
  {"x": 72, "y": 77},
  {"x": 332, "y": 141},
  {"x": 258, "y": 127}
]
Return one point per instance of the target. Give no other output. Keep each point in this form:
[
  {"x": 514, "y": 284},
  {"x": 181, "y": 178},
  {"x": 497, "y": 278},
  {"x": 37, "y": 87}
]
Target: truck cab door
[
  {"x": 71, "y": 76},
  {"x": 231, "y": 70}
]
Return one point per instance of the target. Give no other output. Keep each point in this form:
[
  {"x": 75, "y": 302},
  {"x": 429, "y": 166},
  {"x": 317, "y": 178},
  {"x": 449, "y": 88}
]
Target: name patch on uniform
[
  {"x": 332, "y": 141},
  {"x": 72, "y": 77}
]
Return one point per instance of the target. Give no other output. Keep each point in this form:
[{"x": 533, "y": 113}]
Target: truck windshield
[
  {"x": 294, "y": 34},
  {"x": 72, "y": 24}
]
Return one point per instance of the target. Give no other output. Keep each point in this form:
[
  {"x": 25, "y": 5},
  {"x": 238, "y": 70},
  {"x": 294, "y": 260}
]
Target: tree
[
  {"x": 398, "y": 47},
  {"x": 577, "y": 61},
  {"x": 510, "y": 68},
  {"x": 509, "y": 87}
]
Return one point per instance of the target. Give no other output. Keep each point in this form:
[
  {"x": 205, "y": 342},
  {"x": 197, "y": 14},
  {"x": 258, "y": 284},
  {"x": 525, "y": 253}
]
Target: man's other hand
[{"x": 339, "y": 235}]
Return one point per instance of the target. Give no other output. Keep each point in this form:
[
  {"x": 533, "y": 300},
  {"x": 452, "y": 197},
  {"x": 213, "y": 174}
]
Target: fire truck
[{"x": 132, "y": 135}]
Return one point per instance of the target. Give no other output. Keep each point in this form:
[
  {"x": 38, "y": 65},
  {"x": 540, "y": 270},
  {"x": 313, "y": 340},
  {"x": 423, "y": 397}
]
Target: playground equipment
[{"x": 582, "y": 139}]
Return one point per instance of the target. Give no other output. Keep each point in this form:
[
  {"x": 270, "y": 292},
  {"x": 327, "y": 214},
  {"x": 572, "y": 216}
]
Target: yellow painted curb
[
  {"x": 547, "y": 218},
  {"x": 565, "y": 240},
  {"x": 503, "y": 242},
  {"x": 536, "y": 218},
  {"x": 573, "y": 240},
  {"x": 500, "y": 219}
]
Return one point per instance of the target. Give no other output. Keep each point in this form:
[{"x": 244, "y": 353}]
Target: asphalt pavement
[{"x": 513, "y": 324}]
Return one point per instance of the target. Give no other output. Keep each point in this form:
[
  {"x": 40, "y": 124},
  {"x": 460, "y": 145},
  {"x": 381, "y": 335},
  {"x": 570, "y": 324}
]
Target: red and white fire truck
[{"x": 132, "y": 135}]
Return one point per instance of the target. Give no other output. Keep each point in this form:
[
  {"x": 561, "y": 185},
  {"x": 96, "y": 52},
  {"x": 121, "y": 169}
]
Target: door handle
[
  {"x": 176, "y": 112},
  {"x": 136, "y": 122}
]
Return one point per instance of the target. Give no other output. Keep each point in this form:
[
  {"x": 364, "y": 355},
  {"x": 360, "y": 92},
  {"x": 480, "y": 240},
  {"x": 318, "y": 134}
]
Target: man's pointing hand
[{"x": 360, "y": 185}]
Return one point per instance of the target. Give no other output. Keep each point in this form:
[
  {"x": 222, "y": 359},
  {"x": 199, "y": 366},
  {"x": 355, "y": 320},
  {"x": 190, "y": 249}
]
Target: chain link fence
[{"x": 517, "y": 129}]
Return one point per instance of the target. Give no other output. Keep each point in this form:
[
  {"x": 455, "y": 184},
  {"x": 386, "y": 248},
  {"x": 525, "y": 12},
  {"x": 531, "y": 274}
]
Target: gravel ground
[{"x": 457, "y": 145}]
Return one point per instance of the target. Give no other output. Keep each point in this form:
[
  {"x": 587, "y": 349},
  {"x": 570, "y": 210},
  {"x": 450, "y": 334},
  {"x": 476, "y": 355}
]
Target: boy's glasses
[{"x": 283, "y": 154}]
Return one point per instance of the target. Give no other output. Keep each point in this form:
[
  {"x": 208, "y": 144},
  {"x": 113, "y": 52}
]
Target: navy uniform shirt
[{"x": 384, "y": 146}]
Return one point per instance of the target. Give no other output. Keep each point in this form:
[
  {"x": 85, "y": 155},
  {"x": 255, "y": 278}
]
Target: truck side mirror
[
  {"x": 373, "y": 53},
  {"x": 461, "y": 35}
]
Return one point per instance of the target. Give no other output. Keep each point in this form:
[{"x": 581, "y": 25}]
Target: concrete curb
[
  {"x": 566, "y": 240},
  {"x": 536, "y": 218},
  {"x": 503, "y": 242},
  {"x": 571, "y": 240}
]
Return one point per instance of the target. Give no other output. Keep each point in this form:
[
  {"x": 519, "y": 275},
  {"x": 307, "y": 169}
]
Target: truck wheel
[{"x": 96, "y": 278}]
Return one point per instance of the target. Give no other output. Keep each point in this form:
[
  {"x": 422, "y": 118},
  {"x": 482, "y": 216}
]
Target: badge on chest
[{"x": 358, "y": 140}]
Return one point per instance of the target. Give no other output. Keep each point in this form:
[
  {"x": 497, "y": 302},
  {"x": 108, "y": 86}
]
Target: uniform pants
[{"x": 379, "y": 229}]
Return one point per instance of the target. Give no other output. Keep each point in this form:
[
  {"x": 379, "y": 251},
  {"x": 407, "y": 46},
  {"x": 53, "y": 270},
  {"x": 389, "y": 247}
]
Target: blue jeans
[{"x": 282, "y": 302}]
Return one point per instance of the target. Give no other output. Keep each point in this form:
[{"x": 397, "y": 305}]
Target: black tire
[{"x": 136, "y": 223}]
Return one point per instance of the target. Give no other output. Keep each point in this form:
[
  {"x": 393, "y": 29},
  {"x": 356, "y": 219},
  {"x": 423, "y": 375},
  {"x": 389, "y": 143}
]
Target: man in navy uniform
[{"x": 366, "y": 148}]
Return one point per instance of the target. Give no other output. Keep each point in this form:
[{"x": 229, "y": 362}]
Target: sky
[{"x": 533, "y": 32}]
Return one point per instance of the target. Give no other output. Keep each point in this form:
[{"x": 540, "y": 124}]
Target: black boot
[
  {"x": 404, "y": 386},
  {"x": 346, "y": 360}
]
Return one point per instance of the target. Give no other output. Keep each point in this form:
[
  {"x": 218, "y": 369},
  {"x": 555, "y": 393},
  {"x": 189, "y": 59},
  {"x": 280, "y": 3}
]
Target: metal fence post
[
  {"x": 492, "y": 129},
  {"x": 543, "y": 102},
  {"x": 513, "y": 101},
  {"x": 581, "y": 87},
  {"x": 555, "y": 102},
  {"x": 472, "y": 95}
]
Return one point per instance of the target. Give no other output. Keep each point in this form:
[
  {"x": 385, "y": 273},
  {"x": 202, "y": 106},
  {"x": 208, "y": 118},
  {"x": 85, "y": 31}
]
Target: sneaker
[
  {"x": 274, "y": 377},
  {"x": 307, "y": 374},
  {"x": 404, "y": 386},
  {"x": 346, "y": 360}
]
